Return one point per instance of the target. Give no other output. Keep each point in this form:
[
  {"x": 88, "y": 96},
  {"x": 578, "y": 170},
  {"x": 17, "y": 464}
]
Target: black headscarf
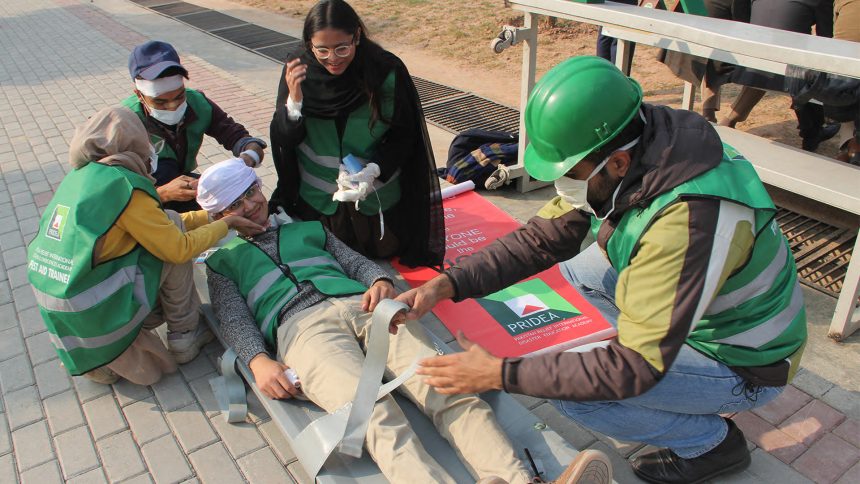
[{"x": 326, "y": 95}]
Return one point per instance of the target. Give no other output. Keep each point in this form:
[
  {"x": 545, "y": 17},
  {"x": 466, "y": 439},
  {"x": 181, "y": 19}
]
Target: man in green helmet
[{"x": 689, "y": 264}]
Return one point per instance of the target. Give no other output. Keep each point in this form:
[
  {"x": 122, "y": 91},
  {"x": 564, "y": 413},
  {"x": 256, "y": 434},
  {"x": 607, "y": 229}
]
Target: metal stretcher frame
[
  {"x": 551, "y": 452},
  {"x": 763, "y": 48}
]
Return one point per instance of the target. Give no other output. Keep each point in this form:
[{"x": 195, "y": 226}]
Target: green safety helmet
[{"x": 576, "y": 107}]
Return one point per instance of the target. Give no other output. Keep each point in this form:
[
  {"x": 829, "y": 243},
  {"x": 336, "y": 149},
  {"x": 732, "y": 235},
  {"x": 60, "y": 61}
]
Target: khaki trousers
[
  {"x": 846, "y": 20},
  {"x": 146, "y": 360},
  {"x": 324, "y": 344}
]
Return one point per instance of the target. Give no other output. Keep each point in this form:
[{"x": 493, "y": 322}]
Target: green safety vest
[
  {"x": 321, "y": 152},
  {"x": 193, "y": 131},
  {"x": 93, "y": 312},
  {"x": 267, "y": 287},
  {"x": 758, "y": 317}
]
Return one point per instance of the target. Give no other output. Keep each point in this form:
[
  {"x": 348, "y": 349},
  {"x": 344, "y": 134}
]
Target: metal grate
[
  {"x": 279, "y": 52},
  {"x": 152, "y": 3},
  {"x": 211, "y": 20},
  {"x": 253, "y": 36},
  {"x": 431, "y": 92},
  {"x": 470, "y": 111},
  {"x": 178, "y": 8},
  {"x": 822, "y": 251}
]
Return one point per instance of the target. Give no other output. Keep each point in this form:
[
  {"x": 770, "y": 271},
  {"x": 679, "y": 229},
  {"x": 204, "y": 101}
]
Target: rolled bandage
[
  {"x": 355, "y": 187},
  {"x": 254, "y": 156},
  {"x": 293, "y": 377}
]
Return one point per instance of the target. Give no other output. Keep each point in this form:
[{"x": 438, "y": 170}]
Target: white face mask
[
  {"x": 575, "y": 192},
  {"x": 169, "y": 118}
]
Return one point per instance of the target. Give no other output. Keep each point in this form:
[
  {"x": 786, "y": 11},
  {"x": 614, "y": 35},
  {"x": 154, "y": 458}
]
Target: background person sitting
[
  {"x": 108, "y": 265},
  {"x": 315, "y": 314},
  {"x": 795, "y": 16},
  {"x": 180, "y": 116}
]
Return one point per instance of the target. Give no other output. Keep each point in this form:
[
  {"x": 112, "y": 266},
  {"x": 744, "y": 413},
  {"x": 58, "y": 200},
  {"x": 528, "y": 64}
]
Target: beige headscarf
[{"x": 112, "y": 136}]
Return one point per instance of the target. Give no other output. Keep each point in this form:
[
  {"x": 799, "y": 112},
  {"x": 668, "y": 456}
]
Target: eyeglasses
[
  {"x": 251, "y": 192},
  {"x": 341, "y": 51}
]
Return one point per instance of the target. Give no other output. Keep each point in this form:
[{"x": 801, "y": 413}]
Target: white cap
[{"x": 224, "y": 182}]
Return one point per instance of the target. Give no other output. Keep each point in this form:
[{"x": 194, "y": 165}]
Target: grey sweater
[{"x": 237, "y": 321}]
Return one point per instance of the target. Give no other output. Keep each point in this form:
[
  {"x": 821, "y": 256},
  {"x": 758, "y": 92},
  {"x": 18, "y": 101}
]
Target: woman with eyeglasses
[
  {"x": 343, "y": 97},
  {"x": 109, "y": 264}
]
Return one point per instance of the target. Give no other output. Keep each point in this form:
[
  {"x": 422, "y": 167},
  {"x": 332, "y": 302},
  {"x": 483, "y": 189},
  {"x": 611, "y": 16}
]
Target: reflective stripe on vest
[
  {"x": 93, "y": 295},
  {"x": 769, "y": 330},
  {"x": 330, "y": 188},
  {"x": 69, "y": 343},
  {"x": 757, "y": 317},
  {"x": 267, "y": 287},
  {"x": 324, "y": 146},
  {"x": 326, "y": 161},
  {"x": 758, "y": 286}
]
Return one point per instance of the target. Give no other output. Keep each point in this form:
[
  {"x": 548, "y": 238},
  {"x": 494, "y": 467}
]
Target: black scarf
[{"x": 327, "y": 96}]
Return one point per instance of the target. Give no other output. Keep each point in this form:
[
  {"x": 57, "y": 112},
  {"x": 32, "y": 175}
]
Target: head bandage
[
  {"x": 159, "y": 86},
  {"x": 223, "y": 183}
]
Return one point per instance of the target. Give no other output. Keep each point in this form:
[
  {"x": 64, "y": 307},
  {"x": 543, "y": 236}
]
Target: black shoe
[
  {"x": 664, "y": 466},
  {"x": 810, "y": 143}
]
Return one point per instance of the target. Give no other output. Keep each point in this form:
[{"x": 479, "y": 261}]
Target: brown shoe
[
  {"x": 589, "y": 467},
  {"x": 103, "y": 375}
]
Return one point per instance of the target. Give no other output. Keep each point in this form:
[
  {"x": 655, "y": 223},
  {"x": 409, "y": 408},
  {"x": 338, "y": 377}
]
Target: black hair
[
  {"x": 369, "y": 66},
  {"x": 173, "y": 71}
]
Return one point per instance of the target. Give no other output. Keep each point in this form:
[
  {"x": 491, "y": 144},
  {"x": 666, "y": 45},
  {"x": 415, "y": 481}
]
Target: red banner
[{"x": 540, "y": 314}]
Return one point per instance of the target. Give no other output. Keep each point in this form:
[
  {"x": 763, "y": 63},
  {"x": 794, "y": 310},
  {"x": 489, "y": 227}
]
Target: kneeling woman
[
  {"x": 341, "y": 94},
  {"x": 108, "y": 265}
]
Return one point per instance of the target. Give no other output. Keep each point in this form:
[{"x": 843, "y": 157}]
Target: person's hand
[
  {"x": 180, "y": 189},
  {"x": 472, "y": 371},
  {"x": 422, "y": 299},
  {"x": 295, "y": 74},
  {"x": 270, "y": 378},
  {"x": 254, "y": 146},
  {"x": 243, "y": 226},
  {"x": 381, "y": 289}
]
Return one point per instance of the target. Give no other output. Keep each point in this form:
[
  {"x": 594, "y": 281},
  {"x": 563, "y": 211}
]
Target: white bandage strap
[
  {"x": 159, "y": 86},
  {"x": 254, "y": 156},
  {"x": 294, "y": 109},
  {"x": 346, "y": 428}
]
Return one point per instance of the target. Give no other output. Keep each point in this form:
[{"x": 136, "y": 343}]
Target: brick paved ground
[{"x": 61, "y": 61}]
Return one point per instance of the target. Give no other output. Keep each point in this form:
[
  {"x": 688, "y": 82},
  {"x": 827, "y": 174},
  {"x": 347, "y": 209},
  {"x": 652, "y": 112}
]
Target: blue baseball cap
[{"x": 149, "y": 60}]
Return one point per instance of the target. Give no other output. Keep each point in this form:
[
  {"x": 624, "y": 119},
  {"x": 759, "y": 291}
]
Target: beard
[{"x": 600, "y": 190}]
